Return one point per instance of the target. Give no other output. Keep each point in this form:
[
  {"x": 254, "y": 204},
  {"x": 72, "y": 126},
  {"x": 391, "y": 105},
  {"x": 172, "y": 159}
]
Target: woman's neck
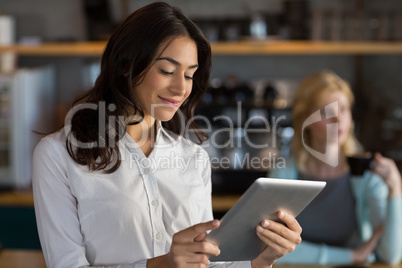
[
  {"x": 320, "y": 168},
  {"x": 144, "y": 134}
]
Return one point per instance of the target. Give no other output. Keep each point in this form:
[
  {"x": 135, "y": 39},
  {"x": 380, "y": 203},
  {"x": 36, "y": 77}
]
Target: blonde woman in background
[{"x": 355, "y": 218}]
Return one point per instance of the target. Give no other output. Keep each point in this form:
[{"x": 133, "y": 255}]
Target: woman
[
  {"x": 354, "y": 215},
  {"x": 120, "y": 186}
]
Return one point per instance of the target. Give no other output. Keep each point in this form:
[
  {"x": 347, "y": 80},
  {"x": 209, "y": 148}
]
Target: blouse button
[
  {"x": 154, "y": 203},
  {"x": 147, "y": 170},
  {"x": 158, "y": 236}
]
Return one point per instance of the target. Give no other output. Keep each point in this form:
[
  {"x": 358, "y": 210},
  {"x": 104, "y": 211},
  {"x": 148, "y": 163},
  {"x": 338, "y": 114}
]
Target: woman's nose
[{"x": 180, "y": 86}]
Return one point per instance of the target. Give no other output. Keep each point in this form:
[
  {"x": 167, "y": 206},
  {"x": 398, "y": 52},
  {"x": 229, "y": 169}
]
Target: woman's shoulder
[
  {"x": 54, "y": 141},
  {"x": 51, "y": 151},
  {"x": 371, "y": 182},
  {"x": 368, "y": 177}
]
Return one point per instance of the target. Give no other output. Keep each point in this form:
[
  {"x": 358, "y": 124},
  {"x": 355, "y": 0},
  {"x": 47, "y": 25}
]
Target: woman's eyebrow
[{"x": 176, "y": 62}]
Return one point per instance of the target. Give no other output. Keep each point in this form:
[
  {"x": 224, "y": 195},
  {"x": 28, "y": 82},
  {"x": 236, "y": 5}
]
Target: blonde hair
[{"x": 312, "y": 89}]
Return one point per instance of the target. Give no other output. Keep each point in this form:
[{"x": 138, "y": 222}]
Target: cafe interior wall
[{"x": 65, "y": 20}]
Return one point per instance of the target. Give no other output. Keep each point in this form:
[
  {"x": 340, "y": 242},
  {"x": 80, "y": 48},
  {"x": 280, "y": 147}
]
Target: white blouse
[{"x": 124, "y": 218}]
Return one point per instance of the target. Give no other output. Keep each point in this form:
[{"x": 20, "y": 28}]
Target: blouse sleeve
[
  {"x": 389, "y": 213},
  {"x": 389, "y": 249},
  {"x": 56, "y": 210},
  {"x": 307, "y": 253}
]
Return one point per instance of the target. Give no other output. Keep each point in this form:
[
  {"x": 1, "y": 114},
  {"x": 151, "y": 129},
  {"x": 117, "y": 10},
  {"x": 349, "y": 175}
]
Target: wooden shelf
[
  {"x": 95, "y": 49},
  {"x": 82, "y": 49},
  {"x": 306, "y": 48}
]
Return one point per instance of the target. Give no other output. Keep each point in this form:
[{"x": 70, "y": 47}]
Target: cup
[{"x": 359, "y": 163}]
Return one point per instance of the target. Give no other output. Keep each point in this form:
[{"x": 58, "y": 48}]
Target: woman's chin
[{"x": 165, "y": 117}]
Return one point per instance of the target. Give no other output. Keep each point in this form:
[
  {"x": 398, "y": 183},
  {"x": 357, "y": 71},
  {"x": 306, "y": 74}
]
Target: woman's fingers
[
  {"x": 289, "y": 229},
  {"x": 290, "y": 221},
  {"x": 188, "y": 249},
  {"x": 200, "y": 237},
  {"x": 280, "y": 238},
  {"x": 195, "y": 231},
  {"x": 197, "y": 248},
  {"x": 275, "y": 248},
  {"x": 387, "y": 169},
  {"x": 273, "y": 237},
  {"x": 196, "y": 258}
]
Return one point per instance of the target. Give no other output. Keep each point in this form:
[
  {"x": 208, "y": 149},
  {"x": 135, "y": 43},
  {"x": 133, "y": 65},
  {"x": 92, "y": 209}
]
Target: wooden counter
[
  {"x": 21, "y": 259},
  {"x": 34, "y": 259}
]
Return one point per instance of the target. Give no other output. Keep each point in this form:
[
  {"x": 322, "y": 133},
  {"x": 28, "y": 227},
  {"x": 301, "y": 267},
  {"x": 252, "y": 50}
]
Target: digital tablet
[{"x": 236, "y": 236}]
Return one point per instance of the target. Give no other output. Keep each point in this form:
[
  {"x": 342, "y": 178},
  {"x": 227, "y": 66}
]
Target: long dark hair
[{"x": 127, "y": 58}]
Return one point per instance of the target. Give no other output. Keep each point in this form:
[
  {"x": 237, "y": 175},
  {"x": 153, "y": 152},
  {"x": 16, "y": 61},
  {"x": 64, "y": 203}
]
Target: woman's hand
[
  {"x": 280, "y": 238},
  {"x": 361, "y": 253},
  {"x": 187, "y": 249},
  {"x": 386, "y": 168}
]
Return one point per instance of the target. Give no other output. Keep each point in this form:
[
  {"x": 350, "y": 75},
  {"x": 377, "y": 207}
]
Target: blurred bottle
[{"x": 258, "y": 26}]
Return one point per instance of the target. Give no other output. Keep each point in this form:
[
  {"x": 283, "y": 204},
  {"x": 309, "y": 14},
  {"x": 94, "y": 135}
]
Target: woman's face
[
  {"x": 169, "y": 80},
  {"x": 343, "y": 118}
]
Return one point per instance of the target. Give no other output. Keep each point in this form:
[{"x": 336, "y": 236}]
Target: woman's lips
[{"x": 170, "y": 102}]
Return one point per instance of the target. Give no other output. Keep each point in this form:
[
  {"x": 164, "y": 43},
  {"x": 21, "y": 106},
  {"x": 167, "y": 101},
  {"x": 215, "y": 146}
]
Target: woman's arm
[
  {"x": 385, "y": 204},
  {"x": 307, "y": 253}
]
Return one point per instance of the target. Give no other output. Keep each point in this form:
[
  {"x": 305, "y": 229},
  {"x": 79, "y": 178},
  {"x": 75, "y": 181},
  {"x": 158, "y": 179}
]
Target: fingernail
[
  {"x": 260, "y": 229},
  {"x": 219, "y": 251},
  {"x": 215, "y": 223},
  {"x": 265, "y": 223},
  {"x": 281, "y": 214}
]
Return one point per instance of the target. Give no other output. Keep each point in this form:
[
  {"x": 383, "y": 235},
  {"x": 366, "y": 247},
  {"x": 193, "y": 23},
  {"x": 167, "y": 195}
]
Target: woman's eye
[
  {"x": 166, "y": 72},
  {"x": 188, "y": 77}
]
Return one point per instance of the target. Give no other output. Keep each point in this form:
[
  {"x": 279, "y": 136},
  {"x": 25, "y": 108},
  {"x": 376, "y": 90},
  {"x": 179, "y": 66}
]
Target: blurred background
[{"x": 36, "y": 89}]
